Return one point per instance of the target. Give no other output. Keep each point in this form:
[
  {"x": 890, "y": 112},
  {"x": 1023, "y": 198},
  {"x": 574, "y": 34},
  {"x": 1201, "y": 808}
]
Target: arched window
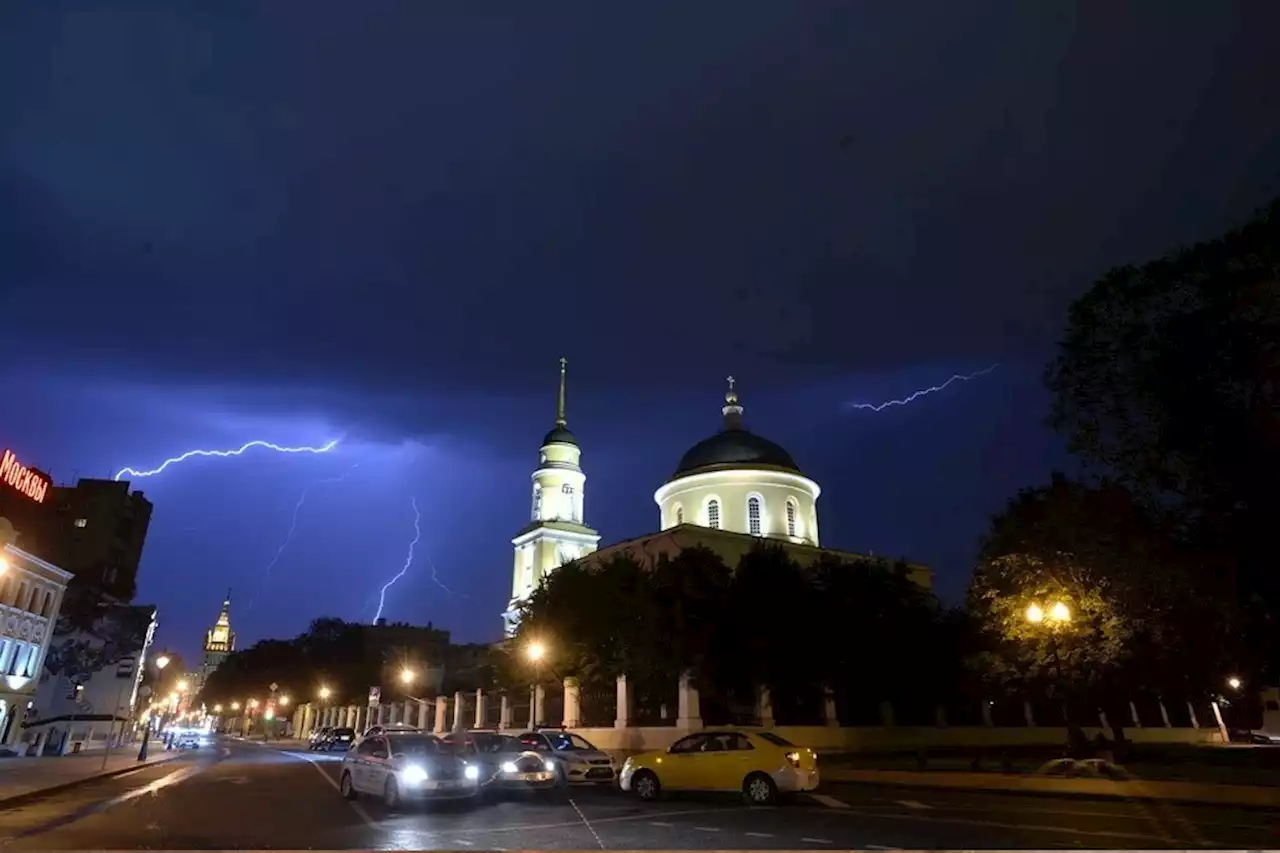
[
  {"x": 753, "y": 515},
  {"x": 791, "y": 518},
  {"x": 679, "y": 514},
  {"x": 537, "y": 502},
  {"x": 713, "y": 514}
]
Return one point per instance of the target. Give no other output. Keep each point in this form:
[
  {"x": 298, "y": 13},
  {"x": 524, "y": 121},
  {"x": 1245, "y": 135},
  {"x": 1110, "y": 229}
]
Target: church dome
[
  {"x": 735, "y": 447},
  {"x": 560, "y": 435}
]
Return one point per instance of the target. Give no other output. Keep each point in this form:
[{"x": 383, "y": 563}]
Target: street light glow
[
  {"x": 162, "y": 661},
  {"x": 235, "y": 706},
  {"x": 4, "y": 564},
  {"x": 284, "y": 700},
  {"x": 1234, "y": 683},
  {"x": 325, "y": 693},
  {"x": 183, "y": 685},
  {"x": 1035, "y": 614},
  {"x": 536, "y": 651},
  {"x": 1060, "y": 612},
  {"x": 217, "y": 709},
  {"x": 407, "y": 675}
]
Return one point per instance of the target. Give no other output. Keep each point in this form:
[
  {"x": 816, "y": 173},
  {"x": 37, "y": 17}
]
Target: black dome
[
  {"x": 735, "y": 447},
  {"x": 560, "y": 435}
]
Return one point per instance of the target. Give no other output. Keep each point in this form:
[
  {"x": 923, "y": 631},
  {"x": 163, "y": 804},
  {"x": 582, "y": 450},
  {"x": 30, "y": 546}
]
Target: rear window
[
  {"x": 774, "y": 739},
  {"x": 415, "y": 745}
]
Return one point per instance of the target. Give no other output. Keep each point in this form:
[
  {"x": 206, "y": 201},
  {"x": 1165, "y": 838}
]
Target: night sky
[{"x": 298, "y": 221}]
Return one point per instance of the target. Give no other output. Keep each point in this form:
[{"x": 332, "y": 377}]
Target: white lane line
[
  {"x": 912, "y": 804},
  {"x": 464, "y": 842},
  {"x": 828, "y": 801},
  {"x": 881, "y": 847},
  {"x": 660, "y": 823},
  {"x": 706, "y": 829},
  {"x": 758, "y": 834},
  {"x": 817, "y": 840},
  {"x": 587, "y": 824},
  {"x": 356, "y": 807}
]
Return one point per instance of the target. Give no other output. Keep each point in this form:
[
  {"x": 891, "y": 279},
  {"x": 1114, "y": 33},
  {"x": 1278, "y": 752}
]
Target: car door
[
  {"x": 725, "y": 761},
  {"x": 679, "y": 767},
  {"x": 367, "y": 776}
]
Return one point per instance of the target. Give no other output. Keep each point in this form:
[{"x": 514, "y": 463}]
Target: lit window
[
  {"x": 791, "y": 518},
  {"x": 753, "y": 515},
  {"x": 82, "y": 522},
  {"x": 713, "y": 514},
  {"x": 679, "y": 515}
]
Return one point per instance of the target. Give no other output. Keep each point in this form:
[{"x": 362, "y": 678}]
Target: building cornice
[
  {"x": 737, "y": 475},
  {"x": 566, "y": 531},
  {"x": 39, "y": 563}
]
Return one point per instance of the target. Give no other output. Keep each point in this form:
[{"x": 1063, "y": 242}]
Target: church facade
[
  {"x": 728, "y": 491},
  {"x": 219, "y": 642}
]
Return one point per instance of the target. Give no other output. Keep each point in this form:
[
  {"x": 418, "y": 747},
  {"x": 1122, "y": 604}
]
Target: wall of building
[{"x": 732, "y": 488}]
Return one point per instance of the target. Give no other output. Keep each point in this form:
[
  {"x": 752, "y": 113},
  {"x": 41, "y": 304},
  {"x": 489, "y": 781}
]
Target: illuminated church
[
  {"x": 219, "y": 641},
  {"x": 728, "y": 491}
]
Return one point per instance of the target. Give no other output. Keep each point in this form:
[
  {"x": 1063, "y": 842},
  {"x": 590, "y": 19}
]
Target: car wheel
[
  {"x": 646, "y": 786},
  {"x": 759, "y": 790},
  {"x": 391, "y": 794},
  {"x": 347, "y": 787}
]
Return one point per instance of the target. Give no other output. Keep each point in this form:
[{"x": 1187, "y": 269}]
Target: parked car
[
  {"x": 503, "y": 761},
  {"x": 760, "y": 764},
  {"x": 190, "y": 738},
  {"x": 577, "y": 761},
  {"x": 383, "y": 728},
  {"x": 400, "y": 766},
  {"x": 318, "y": 735},
  {"x": 337, "y": 738}
]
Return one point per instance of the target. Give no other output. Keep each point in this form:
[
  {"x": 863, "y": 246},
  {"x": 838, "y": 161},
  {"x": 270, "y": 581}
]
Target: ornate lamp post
[{"x": 161, "y": 662}]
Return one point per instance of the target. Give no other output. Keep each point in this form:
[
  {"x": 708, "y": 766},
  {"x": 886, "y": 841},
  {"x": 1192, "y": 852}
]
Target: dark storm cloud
[{"x": 399, "y": 194}]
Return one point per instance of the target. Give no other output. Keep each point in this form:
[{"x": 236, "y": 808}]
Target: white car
[
  {"x": 190, "y": 738},
  {"x": 400, "y": 766},
  {"x": 577, "y": 761}
]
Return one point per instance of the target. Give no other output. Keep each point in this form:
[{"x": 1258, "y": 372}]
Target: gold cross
[{"x": 730, "y": 383}]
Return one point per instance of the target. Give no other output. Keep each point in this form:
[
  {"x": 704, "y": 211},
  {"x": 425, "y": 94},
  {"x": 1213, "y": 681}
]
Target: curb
[
  {"x": 1096, "y": 796},
  {"x": 41, "y": 793}
]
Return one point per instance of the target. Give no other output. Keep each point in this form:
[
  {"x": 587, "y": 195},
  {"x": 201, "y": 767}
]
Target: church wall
[{"x": 733, "y": 488}]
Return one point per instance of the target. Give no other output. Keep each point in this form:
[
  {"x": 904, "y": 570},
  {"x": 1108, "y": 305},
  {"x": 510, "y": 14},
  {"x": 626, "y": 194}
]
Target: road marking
[
  {"x": 817, "y": 840},
  {"x": 759, "y": 834},
  {"x": 464, "y": 841},
  {"x": 912, "y": 804},
  {"x": 534, "y": 827},
  {"x": 587, "y": 823},
  {"x": 881, "y": 847},
  {"x": 828, "y": 801},
  {"x": 659, "y": 823},
  {"x": 1025, "y": 827},
  {"x": 706, "y": 829},
  {"x": 356, "y": 807}
]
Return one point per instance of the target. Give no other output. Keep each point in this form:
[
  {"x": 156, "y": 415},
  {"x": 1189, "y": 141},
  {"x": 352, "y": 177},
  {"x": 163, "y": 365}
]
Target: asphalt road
[{"x": 248, "y": 796}]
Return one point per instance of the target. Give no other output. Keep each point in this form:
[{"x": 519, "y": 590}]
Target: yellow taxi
[{"x": 760, "y": 764}]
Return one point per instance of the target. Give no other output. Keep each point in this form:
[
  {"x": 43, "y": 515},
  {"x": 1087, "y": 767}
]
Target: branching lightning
[
  {"x": 134, "y": 472},
  {"x": 408, "y": 561},
  {"x": 959, "y": 377},
  {"x": 440, "y": 583},
  {"x": 293, "y": 527}
]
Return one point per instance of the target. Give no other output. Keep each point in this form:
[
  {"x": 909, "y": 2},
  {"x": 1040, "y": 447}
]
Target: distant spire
[
  {"x": 732, "y": 411},
  {"x": 226, "y": 602},
  {"x": 560, "y": 419}
]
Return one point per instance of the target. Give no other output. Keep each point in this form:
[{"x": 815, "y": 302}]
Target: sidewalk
[
  {"x": 23, "y": 777},
  {"x": 1248, "y": 796}
]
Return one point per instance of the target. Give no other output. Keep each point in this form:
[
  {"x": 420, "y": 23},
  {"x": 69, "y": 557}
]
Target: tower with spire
[
  {"x": 557, "y": 532},
  {"x": 219, "y": 641}
]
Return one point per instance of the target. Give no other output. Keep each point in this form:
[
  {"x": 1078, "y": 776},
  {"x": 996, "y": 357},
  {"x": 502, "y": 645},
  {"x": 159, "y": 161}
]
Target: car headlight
[
  {"x": 509, "y": 767},
  {"x": 472, "y": 772},
  {"x": 414, "y": 774},
  {"x": 550, "y": 765}
]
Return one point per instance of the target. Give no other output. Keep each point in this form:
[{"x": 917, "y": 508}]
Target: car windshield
[
  {"x": 564, "y": 741},
  {"x": 774, "y": 739},
  {"x": 415, "y": 745},
  {"x": 497, "y": 743}
]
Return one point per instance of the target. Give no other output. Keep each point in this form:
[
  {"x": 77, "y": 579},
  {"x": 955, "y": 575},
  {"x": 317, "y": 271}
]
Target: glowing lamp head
[
  {"x": 407, "y": 675},
  {"x": 1060, "y": 612},
  {"x": 4, "y": 564},
  {"x": 235, "y": 706},
  {"x": 536, "y": 651},
  {"x": 1035, "y": 614},
  {"x": 1234, "y": 683},
  {"x": 162, "y": 661},
  {"x": 325, "y": 693},
  {"x": 183, "y": 685},
  {"x": 284, "y": 700}
]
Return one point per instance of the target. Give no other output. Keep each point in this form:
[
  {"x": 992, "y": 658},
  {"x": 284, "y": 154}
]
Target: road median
[{"x": 1244, "y": 796}]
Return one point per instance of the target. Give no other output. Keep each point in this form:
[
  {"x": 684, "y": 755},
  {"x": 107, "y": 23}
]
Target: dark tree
[{"x": 1168, "y": 379}]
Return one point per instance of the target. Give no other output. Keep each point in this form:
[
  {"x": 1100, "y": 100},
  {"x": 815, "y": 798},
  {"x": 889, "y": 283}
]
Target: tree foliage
[
  {"x": 1168, "y": 378},
  {"x": 90, "y": 639}
]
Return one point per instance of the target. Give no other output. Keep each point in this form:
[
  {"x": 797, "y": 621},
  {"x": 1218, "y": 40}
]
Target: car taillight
[{"x": 794, "y": 758}]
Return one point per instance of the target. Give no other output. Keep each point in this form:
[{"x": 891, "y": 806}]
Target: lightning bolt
[
  {"x": 134, "y": 472},
  {"x": 408, "y": 561},
  {"x": 293, "y": 527},
  {"x": 440, "y": 583},
  {"x": 959, "y": 377}
]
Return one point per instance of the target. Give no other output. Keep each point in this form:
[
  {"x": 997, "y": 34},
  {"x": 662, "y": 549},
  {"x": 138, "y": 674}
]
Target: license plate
[
  {"x": 440, "y": 786},
  {"x": 533, "y": 777}
]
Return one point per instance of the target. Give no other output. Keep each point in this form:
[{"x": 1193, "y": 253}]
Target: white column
[
  {"x": 481, "y": 702},
  {"x": 504, "y": 712},
  {"x": 572, "y": 704},
  {"x": 1195, "y": 724},
  {"x": 1133, "y": 713},
  {"x": 459, "y": 708},
  {"x": 829, "y": 715},
  {"x": 1029, "y": 715},
  {"x": 423, "y": 722},
  {"x": 538, "y": 709},
  {"x": 764, "y": 707},
  {"x": 1164, "y": 715},
  {"x": 442, "y": 714},
  {"x": 689, "y": 707},
  {"x": 1222, "y": 727},
  {"x": 408, "y": 715},
  {"x": 626, "y": 705}
]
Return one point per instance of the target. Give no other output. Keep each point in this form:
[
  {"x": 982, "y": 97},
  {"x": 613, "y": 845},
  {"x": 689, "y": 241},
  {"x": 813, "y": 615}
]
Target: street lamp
[
  {"x": 325, "y": 693},
  {"x": 1234, "y": 682},
  {"x": 161, "y": 662},
  {"x": 284, "y": 700},
  {"x": 183, "y": 685},
  {"x": 1058, "y": 614},
  {"x": 536, "y": 651},
  {"x": 235, "y": 706},
  {"x": 407, "y": 675},
  {"x": 217, "y": 709}
]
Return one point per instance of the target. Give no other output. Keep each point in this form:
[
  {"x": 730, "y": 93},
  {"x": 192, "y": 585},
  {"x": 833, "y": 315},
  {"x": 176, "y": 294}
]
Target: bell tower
[
  {"x": 557, "y": 532},
  {"x": 219, "y": 641}
]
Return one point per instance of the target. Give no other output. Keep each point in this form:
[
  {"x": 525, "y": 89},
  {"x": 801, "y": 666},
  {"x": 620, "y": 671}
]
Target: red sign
[{"x": 26, "y": 481}]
